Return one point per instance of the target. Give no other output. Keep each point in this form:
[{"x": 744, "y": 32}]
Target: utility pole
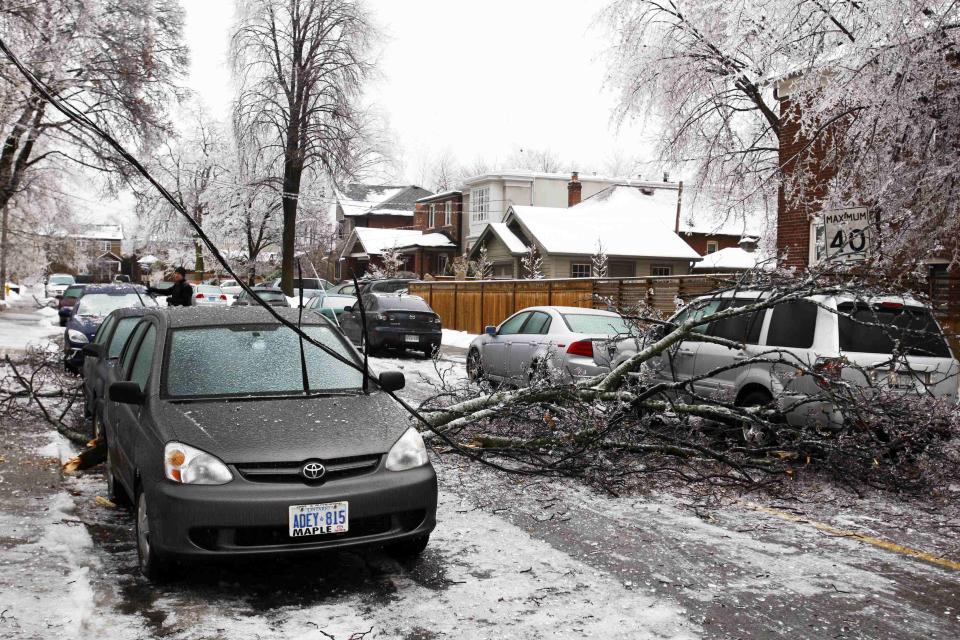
[{"x": 3, "y": 253}]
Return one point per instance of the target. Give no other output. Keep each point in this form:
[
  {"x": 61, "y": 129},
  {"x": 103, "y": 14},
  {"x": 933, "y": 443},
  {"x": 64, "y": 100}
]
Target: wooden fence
[{"x": 473, "y": 304}]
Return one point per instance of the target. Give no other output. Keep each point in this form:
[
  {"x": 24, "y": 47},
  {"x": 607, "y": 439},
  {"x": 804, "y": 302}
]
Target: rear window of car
[
  {"x": 253, "y": 360},
  {"x": 404, "y": 304},
  {"x": 868, "y": 328},
  {"x": 72, "y": 292},
  {"x": 595, "y": 324},
  {"x": 207, "y": 288},
  {"x": 793, "y": 324},
  {"x": 389, "y": 287},
  {"x": 268, "y": 296}
]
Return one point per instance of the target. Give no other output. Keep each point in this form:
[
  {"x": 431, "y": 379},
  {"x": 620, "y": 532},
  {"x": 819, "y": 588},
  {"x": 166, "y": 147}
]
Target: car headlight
[
  {"x": 408, "y": 452},
  {"x": 77, "y": 336},
  {"x": 187, "y": 465}
]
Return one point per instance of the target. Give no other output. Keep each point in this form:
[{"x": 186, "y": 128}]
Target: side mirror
[
  {"x": 93, "y": 350},
  {"x": 392, "y": 381},
  {"x": 348, "y": 308},
  {"x": 490, "y": 330},
  {"x": 127, "y": 393}
]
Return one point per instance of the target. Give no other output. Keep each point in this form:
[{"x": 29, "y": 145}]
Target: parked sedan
[
  {"x": 100, "y": 356},
  {"x": 206, "y": 295},
  {"x": 209, "y": 431},
  {"x": 95, "y": 304},
  {"x": 69, "y": 298},
  {"x": 311, "y": 286},
  {"x": 271, "y": 295},
  {"x": 568, "y": 341},
  {"x": 331, "y": 305},
  {"x": 231, "y": 288},
  {"x": 394, "y": 320}
]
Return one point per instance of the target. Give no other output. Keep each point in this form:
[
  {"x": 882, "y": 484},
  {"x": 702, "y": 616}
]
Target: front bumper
[
  {"x": 397, "y": 337},
  {"x": 245, "y": 518}
]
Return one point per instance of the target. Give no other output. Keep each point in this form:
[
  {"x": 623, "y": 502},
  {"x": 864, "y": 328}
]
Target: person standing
[{"x": 180, "y": 294}]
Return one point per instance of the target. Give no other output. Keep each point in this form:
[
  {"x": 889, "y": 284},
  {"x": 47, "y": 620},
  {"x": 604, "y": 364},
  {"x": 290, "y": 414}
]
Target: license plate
[
  {"x": 318, "y": 519},
  {"x": 412, "y": 338}
]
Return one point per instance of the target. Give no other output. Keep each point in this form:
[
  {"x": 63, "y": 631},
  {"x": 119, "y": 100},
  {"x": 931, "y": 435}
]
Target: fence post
[
  {"x": 456, "y": 318},
  {"x": 482, "y": 288}
]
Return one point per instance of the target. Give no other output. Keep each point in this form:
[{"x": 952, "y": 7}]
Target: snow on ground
[
  {"x": 24, "y": 324},
  {"x": 459, "y": 339}
]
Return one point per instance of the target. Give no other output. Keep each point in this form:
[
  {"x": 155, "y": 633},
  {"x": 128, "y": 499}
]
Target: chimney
[
  {"x": 666, "y": 176},
  {"x": 573, "y": 190}
]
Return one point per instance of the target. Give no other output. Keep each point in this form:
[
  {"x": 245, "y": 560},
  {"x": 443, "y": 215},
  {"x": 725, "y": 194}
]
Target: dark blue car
[{"x": 95, "y": 304}]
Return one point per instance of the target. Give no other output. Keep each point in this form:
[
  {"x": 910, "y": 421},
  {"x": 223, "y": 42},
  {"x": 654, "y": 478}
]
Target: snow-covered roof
[
  {"x": 730, "y": 259},
  {"x": 513, "y": 243},
  {"x": 625, "y": 221},
  {"x": 375, "y": 241},
  {"x": 148, "y": 259},
  {"x": 370, "y": 199},
  {"x": 441, "y": 195},
  {"x": 565, "y": 177},
  {"x": 101, "y": 232},
  {"x": 431, "y": 241}
]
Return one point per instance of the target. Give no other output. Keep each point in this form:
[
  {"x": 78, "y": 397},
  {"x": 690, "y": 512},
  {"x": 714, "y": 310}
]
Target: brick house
[
  {"x": 440, "y": 213},
  {"x": 365, "y": 246},
  {"x": 373, "y": 206}
]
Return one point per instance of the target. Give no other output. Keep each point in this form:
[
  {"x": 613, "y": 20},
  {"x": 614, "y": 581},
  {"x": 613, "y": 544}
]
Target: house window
[
  {"x": 104, "y": 246},
  {"x": 712, "y": 246},
  {"x": 479, "y": 204},
  {"x": 621, "y": 269},
  {"x": 447, "y": 213},
  {"x": 580, "y": 269},
  {"x": 432, "y": 218},
  {"x": 502, "y": 270},
  {"x": 818, "y": 241},
  {"x": 661, "y": 270},
  {"x": 442, "y": 265}
]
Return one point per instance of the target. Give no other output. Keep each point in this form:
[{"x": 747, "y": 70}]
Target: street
[{"x": 523, "y": 557}]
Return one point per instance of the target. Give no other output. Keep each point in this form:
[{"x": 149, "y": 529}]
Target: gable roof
[
  {"x": 626, "y": 222},
  {"x": 370, "y": 199},
  {"x": 100, "y": 232},
  {"x": 698, "y": 212}
]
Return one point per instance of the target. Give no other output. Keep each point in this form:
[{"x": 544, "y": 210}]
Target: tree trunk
[
  {"x": 3, "y": 254},
  {"x": 291, "y": 188}
]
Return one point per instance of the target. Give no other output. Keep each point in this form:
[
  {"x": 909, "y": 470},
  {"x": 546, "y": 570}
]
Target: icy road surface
[{"x": 509, "y": 559}]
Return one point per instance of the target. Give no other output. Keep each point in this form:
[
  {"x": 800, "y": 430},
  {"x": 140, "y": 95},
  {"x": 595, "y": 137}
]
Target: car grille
[
  {"x": 289, "y": 472},
  {"x": 226, "y": 538}
]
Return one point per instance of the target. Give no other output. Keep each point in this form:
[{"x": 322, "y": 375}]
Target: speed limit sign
[{"x": 847, "y": 234}]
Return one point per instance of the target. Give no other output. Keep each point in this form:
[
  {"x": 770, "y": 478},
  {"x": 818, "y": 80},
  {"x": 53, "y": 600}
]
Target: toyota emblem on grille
[{"x": 312, "y": 471}]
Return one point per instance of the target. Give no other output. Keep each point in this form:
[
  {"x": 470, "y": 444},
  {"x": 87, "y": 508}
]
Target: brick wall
[
  {"x": 799, "y": 160},
  {"x": 422, "y": 217}
]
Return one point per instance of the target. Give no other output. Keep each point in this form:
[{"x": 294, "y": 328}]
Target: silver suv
[{"x": 838, "y": 337}]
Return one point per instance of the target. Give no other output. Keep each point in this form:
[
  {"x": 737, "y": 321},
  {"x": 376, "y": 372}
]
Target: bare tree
[
  {"x": 300, "y": 66},
  {"x": 115, "y": 62},
  {"x": 545, "y": 160},
  {"x": 870, "y": 84},
  {"x": 196, "y": 167}
]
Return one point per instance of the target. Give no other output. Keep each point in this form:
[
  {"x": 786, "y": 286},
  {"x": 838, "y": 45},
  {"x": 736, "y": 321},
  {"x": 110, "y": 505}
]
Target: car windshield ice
[
  {"x": 595, "y": 324},
  {"x": 253, "y": 360},
  {"x": 877, "y": 328},
  {"x": 61, "y": 280},
  {"x": 100, "y": 304}
]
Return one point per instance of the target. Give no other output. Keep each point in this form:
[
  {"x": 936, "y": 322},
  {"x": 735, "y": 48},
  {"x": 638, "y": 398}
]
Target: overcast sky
[{"x": 478, "y": 78}]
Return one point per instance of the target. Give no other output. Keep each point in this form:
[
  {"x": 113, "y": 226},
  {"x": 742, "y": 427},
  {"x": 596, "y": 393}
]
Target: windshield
[
  {"x": 253, "y": 360},
  {"x": 100, "y": 304},
  {"x": 595, "y": 324},
  {"x": 61, "y": 280},
  {"x": 877, "y": 329},
  {"x": 120, "y": 335}
]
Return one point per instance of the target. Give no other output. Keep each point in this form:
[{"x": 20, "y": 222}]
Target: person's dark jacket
[{"x": 179, "y": 295}]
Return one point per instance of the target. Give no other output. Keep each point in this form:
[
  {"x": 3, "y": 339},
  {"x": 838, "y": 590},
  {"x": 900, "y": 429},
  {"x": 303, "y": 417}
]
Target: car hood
[
  {"x": 87, "y": 325},
  {"x": 285, "y": 429}
]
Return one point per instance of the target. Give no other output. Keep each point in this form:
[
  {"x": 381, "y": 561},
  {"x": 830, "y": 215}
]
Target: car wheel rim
[
  {"x": 473, "y": 365},
  {"x": 143, "y": 530}
]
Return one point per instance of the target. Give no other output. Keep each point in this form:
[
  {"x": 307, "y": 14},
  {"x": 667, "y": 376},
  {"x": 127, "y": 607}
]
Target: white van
[{"x": 832, "y": 335}]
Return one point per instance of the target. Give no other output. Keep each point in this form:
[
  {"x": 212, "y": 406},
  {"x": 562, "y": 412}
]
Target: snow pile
[
  {"x": 50, "y": 312},
  {"x": 459, "y": 339},
  {"x": 59, "y": 448}
]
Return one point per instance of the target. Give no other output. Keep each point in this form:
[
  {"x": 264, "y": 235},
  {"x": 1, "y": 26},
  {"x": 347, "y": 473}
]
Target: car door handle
[{"x": 685, "y": 352}]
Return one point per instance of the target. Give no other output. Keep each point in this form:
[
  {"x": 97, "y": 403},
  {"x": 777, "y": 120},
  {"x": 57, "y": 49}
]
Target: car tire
[
  {"x": 63, "y": 322},
  {"x": 152, "y": 565},
  {"x": 474, "y": 365},
  {"x": 115, "y": 491},
  {"x": 409, "y": 549},
  {"x": 752, "y": 433}
]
